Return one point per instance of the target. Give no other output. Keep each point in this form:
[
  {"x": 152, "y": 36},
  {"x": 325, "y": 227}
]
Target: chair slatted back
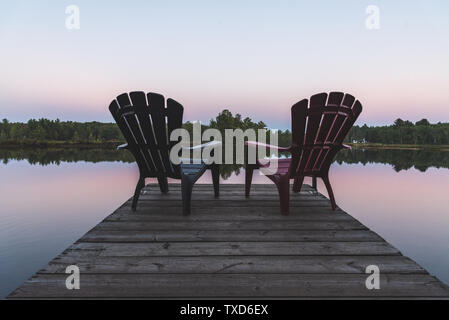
[
  {"x": 146, "y": 123},
  {"x": 319, "y": 127}
]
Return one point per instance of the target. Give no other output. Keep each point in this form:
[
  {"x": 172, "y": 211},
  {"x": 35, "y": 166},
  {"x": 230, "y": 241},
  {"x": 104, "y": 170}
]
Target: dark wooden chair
[
  {"x": 319, "y": 127},
  {"x": 146, "y": 124}
]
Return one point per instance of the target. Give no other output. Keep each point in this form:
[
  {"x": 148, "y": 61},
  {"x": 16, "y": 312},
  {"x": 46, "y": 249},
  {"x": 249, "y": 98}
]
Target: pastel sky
[{"x": 256, "y": 58}]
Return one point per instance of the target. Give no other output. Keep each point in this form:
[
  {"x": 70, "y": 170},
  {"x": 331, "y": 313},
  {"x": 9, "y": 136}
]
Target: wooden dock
[{"x": 231, "y": 247}]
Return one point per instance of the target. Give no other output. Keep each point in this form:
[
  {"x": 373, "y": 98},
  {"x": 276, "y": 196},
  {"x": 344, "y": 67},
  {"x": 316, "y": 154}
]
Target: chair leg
[
  {"x": 329, "y": 191},
  {"x": 298, "y": 184},
  {"x": 139, "y": 187},
  {"x": 283, "y": 185},
  {"x": 248, "y": 179},
  {"x": 216, "y": 179},
  {"x": 163, "y": 184},
  {"x": 186, "y": 190}
]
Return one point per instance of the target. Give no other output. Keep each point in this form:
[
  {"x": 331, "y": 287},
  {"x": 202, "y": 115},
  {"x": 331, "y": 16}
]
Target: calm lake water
[{"x": 50, "y": 198}]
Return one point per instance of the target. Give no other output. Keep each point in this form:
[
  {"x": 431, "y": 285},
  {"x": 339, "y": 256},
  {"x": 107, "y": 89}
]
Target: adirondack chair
[
  {"x": 147, "y": 128},
  {"x": 319, "y": 127}
]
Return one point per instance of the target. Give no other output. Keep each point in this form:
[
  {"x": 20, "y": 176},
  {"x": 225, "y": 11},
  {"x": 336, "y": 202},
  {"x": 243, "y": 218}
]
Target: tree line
[
  {"x": 44, "y": 130},
  {"x": 56, "y": 131},
  {"x": 402, "y": 132}
]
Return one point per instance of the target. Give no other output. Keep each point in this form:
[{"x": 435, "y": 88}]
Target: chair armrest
[
  {"x": 345, "y": 146},
  {"x": 122, "y": 147},
  {"x": 266, "y": 146},
  {"x": 204, "y": 145}
]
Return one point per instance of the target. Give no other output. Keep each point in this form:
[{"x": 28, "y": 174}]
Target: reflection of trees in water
[
  {"x": 398, "y": 159},
  {"x": 226, "y": 170},
  {"x": 45, "y": 156}
]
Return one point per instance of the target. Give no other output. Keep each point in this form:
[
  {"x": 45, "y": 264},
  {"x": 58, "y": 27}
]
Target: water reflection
[
  {"x": 46, "y": 156},
  {"x": 51, "y": 197},
  {"x": 399, "y": 159}
]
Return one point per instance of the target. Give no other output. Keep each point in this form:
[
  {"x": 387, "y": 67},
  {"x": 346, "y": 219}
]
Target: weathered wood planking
[
  {"x": 231, "y": 247},
  {"x": 221, "y": 248},
  {"x": 224, "y": 235},
  {"x": 231, "y": 225},
  {"x": 231, "y": 285},
  {"x": 235, "y": 264}
]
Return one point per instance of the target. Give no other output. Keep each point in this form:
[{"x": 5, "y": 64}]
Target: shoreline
[
  {"x": 61, "y": 144},
  {"x": 114, "y": 144},
  {"x": 399, "y": 146}
]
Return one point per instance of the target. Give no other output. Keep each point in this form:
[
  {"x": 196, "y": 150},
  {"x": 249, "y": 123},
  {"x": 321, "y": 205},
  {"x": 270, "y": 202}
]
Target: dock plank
[
  {"x": 233, "y": 248},
  {"x": 223, "y": 213},
  {"x": 231, "y": 285},
  {"x": 230, "y": 225},
  {"x": 223, "y": 235},
  {"x": 234, "y": 264}
]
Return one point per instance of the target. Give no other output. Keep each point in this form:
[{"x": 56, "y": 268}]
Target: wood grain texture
[
  {"x": 122, "y": 236},
  {"x": 231, "y": 285},
  {"x": 233, "y": 264},
  {"x": 231, "y": 248},
  {"x": 231, "y": 225}
]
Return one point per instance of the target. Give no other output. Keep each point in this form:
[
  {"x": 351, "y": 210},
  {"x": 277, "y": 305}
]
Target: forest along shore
[{"x": 45, "y": 133}]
